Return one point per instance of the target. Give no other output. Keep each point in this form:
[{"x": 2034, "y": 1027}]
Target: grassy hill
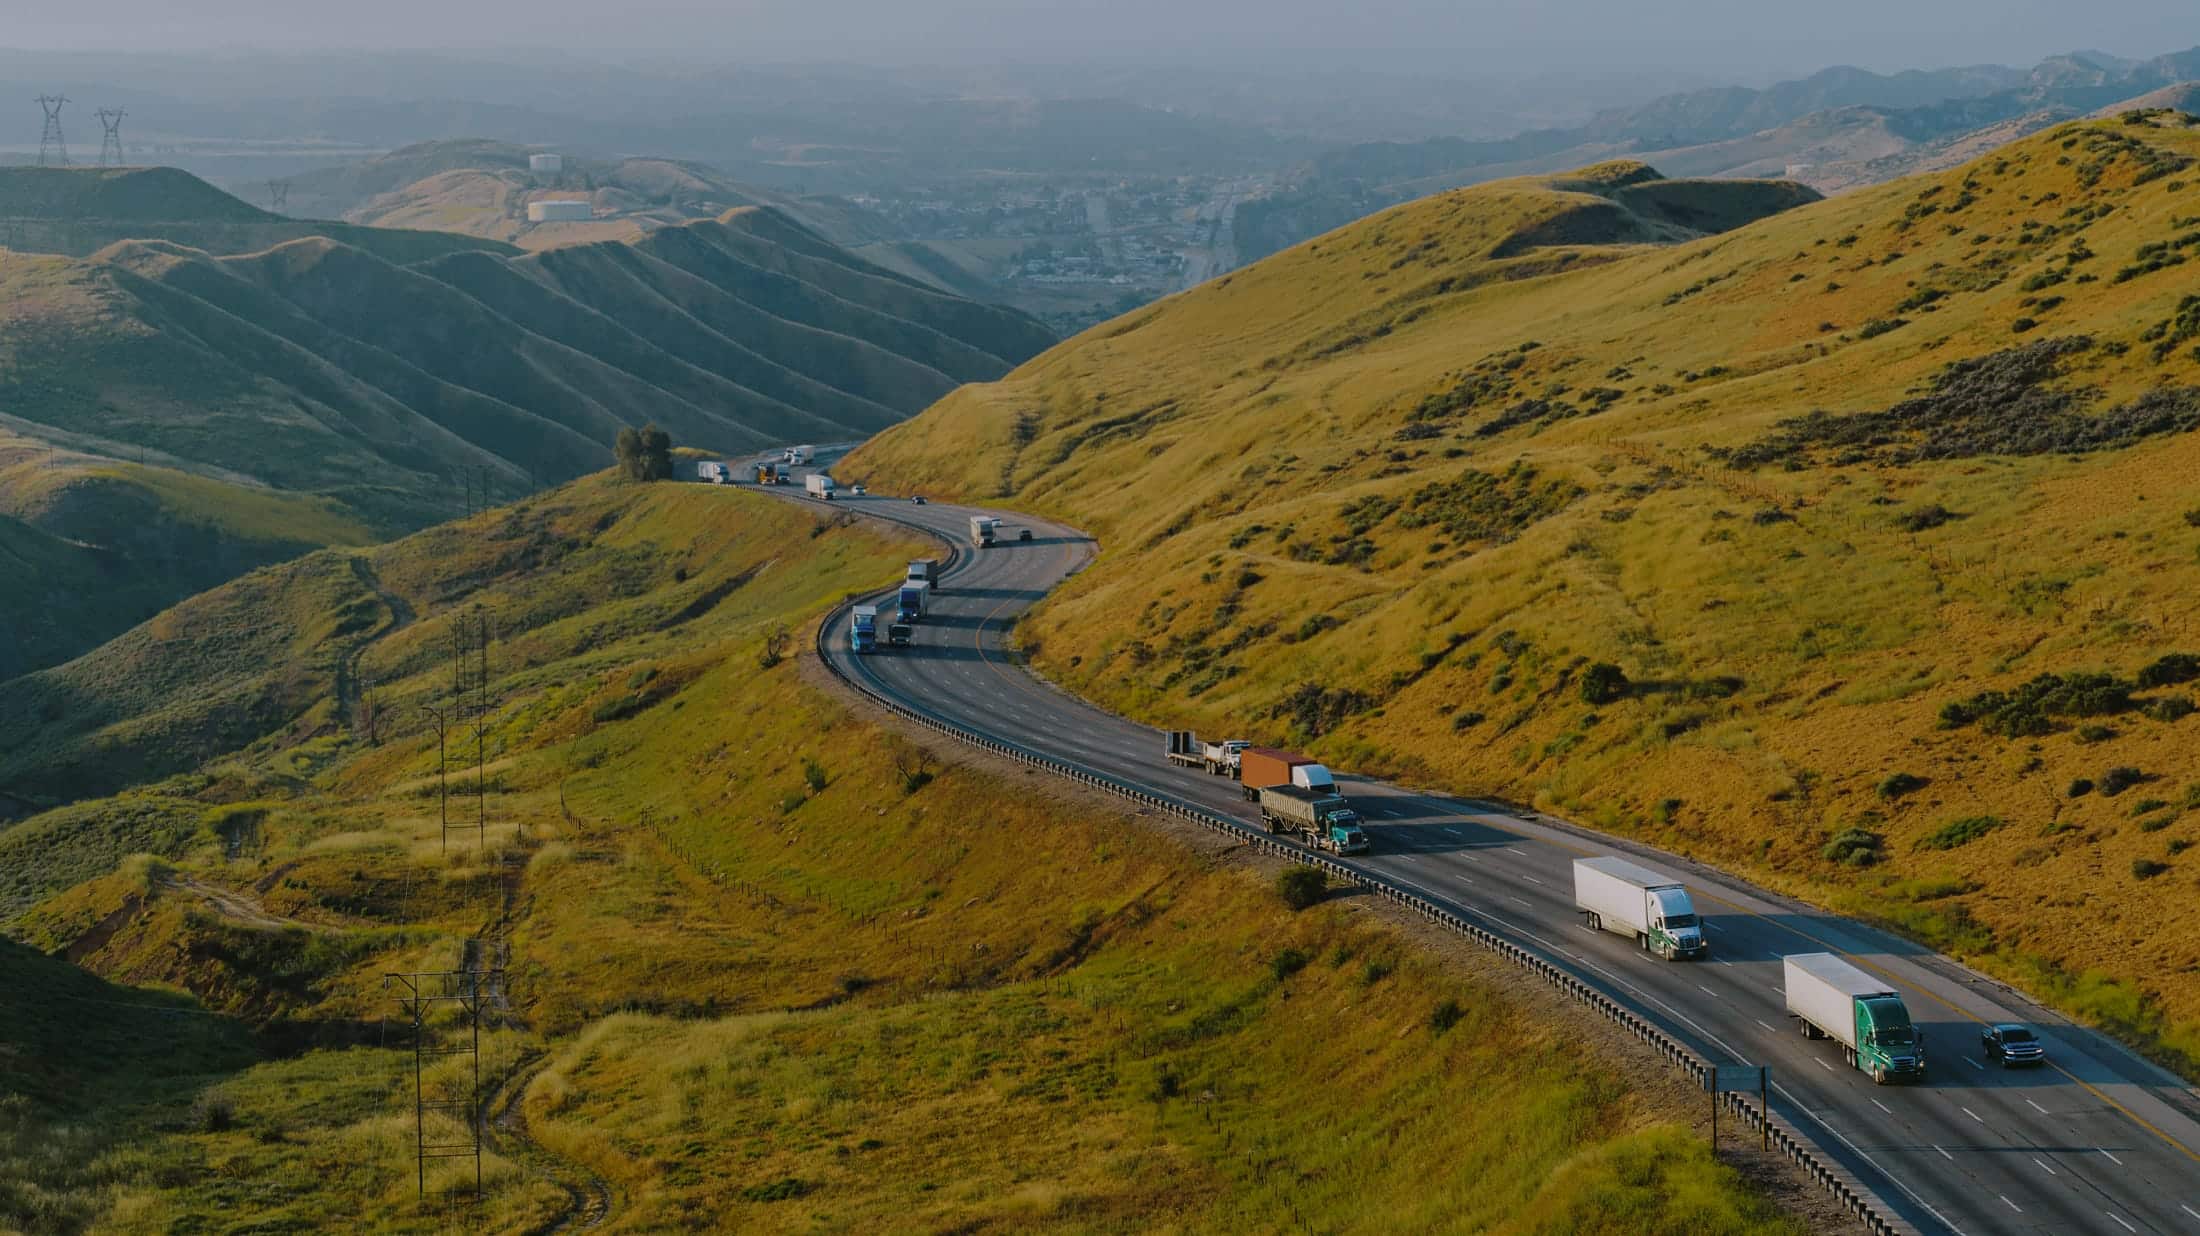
[
  {"x": 1854, "y": 549},
  {"x": 767, "y": 964},
  {"x": 360, "y": 379}
]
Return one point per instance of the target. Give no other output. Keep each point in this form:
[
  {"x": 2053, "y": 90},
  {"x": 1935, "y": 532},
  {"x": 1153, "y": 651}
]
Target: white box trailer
[
  {"x": 716, "y": 471},
  {"x": 818, "y": 485},
  {"x": 1313, "y": 777},
  {"x": 983, "y": 528},
  {"x": 1829, "y": 997},
  {"x": 1649, "y": 907},
  {"x": 801, "y": 454}
]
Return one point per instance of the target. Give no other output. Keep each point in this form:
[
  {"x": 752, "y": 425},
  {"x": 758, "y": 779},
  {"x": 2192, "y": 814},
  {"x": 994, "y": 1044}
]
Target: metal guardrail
[{"x": 1848, "y": 1192}]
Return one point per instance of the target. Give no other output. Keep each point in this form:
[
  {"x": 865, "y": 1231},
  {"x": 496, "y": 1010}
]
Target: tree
[
  {"x": 1604, "y": 683},
  {"x": 775, "y": 648},
  {"x": 1301, "y": 887},
  {"x": 644, "y": 454}
]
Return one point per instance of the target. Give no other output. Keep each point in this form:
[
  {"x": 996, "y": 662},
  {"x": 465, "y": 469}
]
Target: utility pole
[
  {"x": 278, "y": 195},
  {"x": 52, "y": 150},
  {"x": 110, "y": 146}
]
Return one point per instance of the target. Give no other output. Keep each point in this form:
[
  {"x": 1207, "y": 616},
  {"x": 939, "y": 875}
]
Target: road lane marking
[
  {"x": 2036, "y": 1107},
  {"x": 1767, "y": 1026},
  {"x": 1882, "y": 1107},
  {"x": 2045, "y": 1168},
  {"x": 2188, "y": 1210},
  {"x": 1972, "y": 1114},
  {"x": 1530, "y": 879},
  {"x": 1822, "y": 1064},
  {"x": 2119, "y": 1220},
  {"x": 2011, "y": 1205},
  {"x": 1707, "y": 991},
  {"x": 1518, "y": 901},
  {"x": 1973, "y": 1063},
  {"x": 1945, "y": 1155},
  {"x": 1453, "y": 832},
  {"x": 2111, "y": 1158}
]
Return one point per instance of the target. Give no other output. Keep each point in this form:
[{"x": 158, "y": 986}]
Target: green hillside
[
  {"x": 767, "y": 965},
  {"x": 1854, "y": 549},
  {"x": 364, "y": 378}
]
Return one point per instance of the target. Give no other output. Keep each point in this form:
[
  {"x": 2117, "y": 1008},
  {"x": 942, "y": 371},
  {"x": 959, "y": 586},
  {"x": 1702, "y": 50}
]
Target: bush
[
  {"x": 1604, "y": 683},
  {"x": 1854, "y": 847},
  {"x": 1467, "y": 720},
  {"x": 1926, "y": 517},
  {"x": 2116, "y": 780},
  {"x": 1375, "y": 971},
  {"x": 2080, "y": 787},
  {"x": 644, "y": 454},
  {"x": 2095, "y": 733},
  {"x": 1301, "y": 887},
  {"x": 2171, "y": 708},
  {"x": 1445, "y": 1015},
  {"x": 2169, "y": 671},
  {"x": 1901, "y": 783},
  {"x": 1880, "y": 326},
  {"x": 1288, "y": 962},
  {"x": 2146, "y": 868},
  {"x": 813, "y": 775},
  {"x": 1961, "y": 832},
  {"x": 786, "y": 1188},
  {"x": 213, "y": 1113}
]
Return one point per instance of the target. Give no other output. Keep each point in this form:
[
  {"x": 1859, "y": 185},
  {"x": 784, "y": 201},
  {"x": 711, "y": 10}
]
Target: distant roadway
[{"x": 2099, "y": 1141}]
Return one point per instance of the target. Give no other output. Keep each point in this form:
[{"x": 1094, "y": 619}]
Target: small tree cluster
[{"x": 644, "y": 454}]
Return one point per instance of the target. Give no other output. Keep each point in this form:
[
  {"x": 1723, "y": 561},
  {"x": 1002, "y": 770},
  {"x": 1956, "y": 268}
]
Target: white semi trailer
[
  {"x": 1649, "y": 907},
  {"x": 818, "y": 485}
]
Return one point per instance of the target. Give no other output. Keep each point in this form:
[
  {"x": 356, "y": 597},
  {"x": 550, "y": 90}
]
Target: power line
[
  {"x": 53, "y": 151},
  {"x": 110, "y": 147}
]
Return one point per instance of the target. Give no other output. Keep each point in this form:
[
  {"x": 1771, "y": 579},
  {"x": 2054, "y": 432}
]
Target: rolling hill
[
  {"x": 1836, "y": 130},
  {"x": 360, "y": 379},
  {"x": 755, "y": 952},
  {"x": 1853, "y": 549}
]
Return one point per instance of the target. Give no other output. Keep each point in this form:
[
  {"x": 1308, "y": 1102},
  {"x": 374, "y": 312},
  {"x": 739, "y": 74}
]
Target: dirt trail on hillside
[
  {"x": 348, "y": 687},
  {"x": 236, "y": 907}
]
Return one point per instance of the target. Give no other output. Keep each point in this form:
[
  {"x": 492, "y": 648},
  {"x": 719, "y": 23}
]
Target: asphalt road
[{"x": 2099, "y": 1141}]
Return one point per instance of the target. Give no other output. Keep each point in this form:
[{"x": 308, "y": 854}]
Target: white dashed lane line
[{"x": 2111, "y": 1158}]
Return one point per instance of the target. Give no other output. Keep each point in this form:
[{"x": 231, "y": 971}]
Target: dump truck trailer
[
  {"x": 1325, "y": 821},
  {"x": 1184, "y": 748}
]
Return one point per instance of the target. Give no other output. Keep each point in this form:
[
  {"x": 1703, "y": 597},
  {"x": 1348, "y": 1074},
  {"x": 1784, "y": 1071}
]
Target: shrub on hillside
[
  {"x": 1901, "y": 783},
  {"x": 1960, "y": 832},
  {"x": 2147, "y": 868},
  {"x": 1315, "y": 709},
  {"x": 1445, "y": 1015},
  {"x": 1925, "y": 518},
  {"x": 1604, "y": 683},
  {"x": 1288, "y": 962},
  {"x": 2168, "y": 671},
  {"x": 1854, "y": 847},
  {"x": 2171, "y": 708},
  {"x": 2080, "y": 787},
  {"x": 1301, "y": 887},
  {"x": 2026, "y": 711},
  {"x": 2116, "y": 780}
]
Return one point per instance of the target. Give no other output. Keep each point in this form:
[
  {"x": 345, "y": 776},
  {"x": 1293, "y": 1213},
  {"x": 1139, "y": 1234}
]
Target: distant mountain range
[
  {"x": 269, "y": 384},
  {"x": 1833, "y": 130}
]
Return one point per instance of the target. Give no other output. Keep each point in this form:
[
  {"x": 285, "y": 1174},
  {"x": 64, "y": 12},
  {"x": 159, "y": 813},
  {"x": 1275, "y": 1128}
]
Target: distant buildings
[
  {"x": 561, "y": 210},
  {"x": 546, "y": 164}
]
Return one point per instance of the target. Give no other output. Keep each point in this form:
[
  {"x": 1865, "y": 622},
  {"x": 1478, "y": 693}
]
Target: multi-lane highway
[{"x": 2099, "y": 1141}]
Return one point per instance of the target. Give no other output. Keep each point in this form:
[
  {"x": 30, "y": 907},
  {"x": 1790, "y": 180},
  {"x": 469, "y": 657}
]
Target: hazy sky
[{"x": 1738, "y": 38}]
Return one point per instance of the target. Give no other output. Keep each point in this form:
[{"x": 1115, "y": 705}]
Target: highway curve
[{"x": 2100, "y": 1141}]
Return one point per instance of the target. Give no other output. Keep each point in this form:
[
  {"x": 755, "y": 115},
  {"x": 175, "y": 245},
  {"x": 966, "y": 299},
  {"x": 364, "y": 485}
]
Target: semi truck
[
  {"x": 1263, "y": 766},
  {"x": 983, "y": 528},
  {"x": 1829, "y": 998},
  {"x": 909, "y": 605},
  {"x": 800, "y": 454},
  {"x": 1326, "y": 821},
  {"x": 897, "y": 634},
  {"x": 1648, "y": 907},
  {"x": 1184, "y": 749},
  {"x": 818, "y": 485},
  {"x": 770, "y": 474},
  {"x": 926, "y": 571},
  {"x": 1221, "y": 758},
  {"x": 716, "y": 471},
  {"x": 863, "y": 628}
]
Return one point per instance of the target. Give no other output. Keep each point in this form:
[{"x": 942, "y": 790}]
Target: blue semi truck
[
  {"x": 909, "y": 607},
  {"x": 863, "y": 628}
]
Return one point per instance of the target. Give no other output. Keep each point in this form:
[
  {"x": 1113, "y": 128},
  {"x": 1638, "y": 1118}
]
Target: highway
[{"x": 2099, "y": 1141}]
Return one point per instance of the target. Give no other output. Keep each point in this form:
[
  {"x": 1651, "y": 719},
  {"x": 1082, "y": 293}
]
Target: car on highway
[
  {"x": 1023, "y": 534},
  {"x": 917, "y": 498},
  {"x": 857, "y": 490},
  {"x": 2012, "y": 1045}
]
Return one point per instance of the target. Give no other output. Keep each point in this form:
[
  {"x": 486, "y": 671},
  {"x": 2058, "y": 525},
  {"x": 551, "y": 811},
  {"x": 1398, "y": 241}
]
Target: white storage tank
[
  {"x": 561, "y": 210},
  {"x": 546, "y": 164}
]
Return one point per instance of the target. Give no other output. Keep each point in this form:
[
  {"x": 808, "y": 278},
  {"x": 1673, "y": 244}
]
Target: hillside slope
[
  {"x": 363, "y": 378},
  {"x": 1846, "y": 502},
  {"x": 761, "y": 962}
]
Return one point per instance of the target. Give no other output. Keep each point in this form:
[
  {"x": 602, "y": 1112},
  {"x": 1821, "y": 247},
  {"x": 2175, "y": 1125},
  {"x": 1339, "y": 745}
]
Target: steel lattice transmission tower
[
  {"x": 52, "y": 150},
  {"x": 278, "y": 195},
  {"x": 110, "y": 147}
]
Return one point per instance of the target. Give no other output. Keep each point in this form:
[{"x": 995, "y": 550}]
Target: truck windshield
[
  {"x": 1680, "y": 920},
  {"x": 1894, "y": 1036}
]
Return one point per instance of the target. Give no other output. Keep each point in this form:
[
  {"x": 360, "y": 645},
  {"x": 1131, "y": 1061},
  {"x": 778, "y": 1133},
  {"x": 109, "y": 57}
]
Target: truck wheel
[
  {"x": 1595, "y": 921},
  {"x": 1879, "y": 1075}
]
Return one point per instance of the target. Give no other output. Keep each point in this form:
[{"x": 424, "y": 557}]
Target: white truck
[
  {"x": 1830, "y": 998},
  {"x": 1649, "y": 907},
  {"x": 800, "y": 454},
  {"x": 1221, "y": 758},
  {"x": 818, "y": 485},
  {"x": 983, "y": 529},
  {"x": 716, "y": 471},
  {"x": 1313, "y": 777}
]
